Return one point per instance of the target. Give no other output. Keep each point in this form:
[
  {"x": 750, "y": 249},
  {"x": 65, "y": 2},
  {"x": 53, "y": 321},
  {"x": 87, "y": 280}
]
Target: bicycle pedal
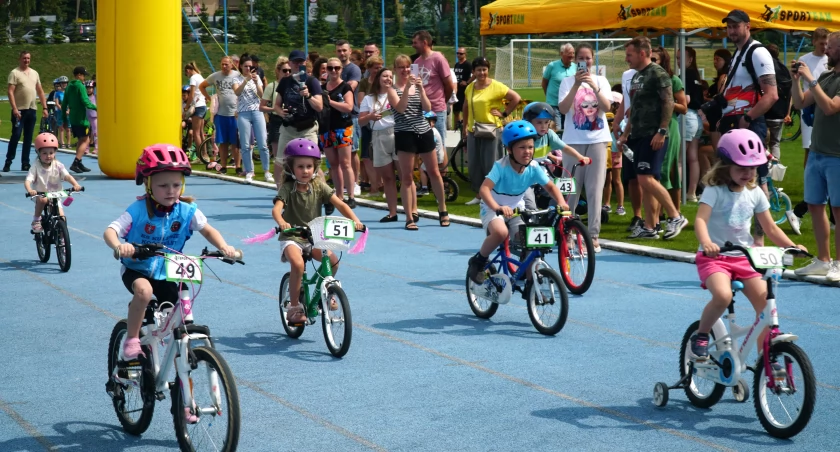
[{"x": 297, "y": 325}]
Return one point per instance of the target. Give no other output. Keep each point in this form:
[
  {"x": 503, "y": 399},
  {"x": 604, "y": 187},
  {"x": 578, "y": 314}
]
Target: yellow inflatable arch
[{"x": 138, "y": 80}]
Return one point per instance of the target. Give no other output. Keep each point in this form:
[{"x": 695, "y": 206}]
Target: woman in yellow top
[{"x": 483, "y": 104}]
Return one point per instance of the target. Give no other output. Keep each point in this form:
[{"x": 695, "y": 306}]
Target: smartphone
[
  {"x": 581, "y": 65},
  {"x": 415, "y": 69},
  {"x": 253, "y": 69}
]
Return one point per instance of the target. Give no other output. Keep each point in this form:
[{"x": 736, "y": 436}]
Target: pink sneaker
[
  {"x": 132, "y": 349},
  {"x": 36, "y": 227},
  {"x": 190, "y": 418}
]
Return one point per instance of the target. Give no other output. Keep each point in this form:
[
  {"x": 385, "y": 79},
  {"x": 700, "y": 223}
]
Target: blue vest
[{"x": 172, "y": 230}]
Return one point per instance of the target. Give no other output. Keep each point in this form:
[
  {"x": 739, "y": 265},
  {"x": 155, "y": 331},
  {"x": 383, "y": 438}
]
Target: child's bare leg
[
  {"x": 294, "y": 255},
  {"x": 142, "y": 289}
]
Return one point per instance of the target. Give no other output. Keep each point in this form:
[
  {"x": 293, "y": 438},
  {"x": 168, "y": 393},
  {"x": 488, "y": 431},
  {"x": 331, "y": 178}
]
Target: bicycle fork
[{"x": 185, "y": 363}]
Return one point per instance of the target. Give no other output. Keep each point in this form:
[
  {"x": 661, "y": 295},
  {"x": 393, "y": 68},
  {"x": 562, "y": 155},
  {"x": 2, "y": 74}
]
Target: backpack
[{"x": 784, "y": 82}]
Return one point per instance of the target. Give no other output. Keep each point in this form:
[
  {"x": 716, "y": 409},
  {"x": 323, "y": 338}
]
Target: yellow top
[{"x": 483, "y": 101}]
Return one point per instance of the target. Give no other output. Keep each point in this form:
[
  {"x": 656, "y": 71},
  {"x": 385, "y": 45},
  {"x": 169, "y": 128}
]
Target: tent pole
[
  {"x": 511, "y": 63},
  {"x": 482, "y": 46},
  {"x": 683, "y": 160},
  {"x": 456, "y": 25},
  {"x": 597, "y": 42},
  {"x": 226, "y": 30}
]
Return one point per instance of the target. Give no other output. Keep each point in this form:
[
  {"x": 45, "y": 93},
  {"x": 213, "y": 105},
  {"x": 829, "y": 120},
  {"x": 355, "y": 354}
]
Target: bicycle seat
[{"x": 737, "y": 286}]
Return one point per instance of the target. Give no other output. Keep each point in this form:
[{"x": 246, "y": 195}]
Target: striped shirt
[
  {"x": 248, "y": 100},
  {"x": 412, "y": 120}
]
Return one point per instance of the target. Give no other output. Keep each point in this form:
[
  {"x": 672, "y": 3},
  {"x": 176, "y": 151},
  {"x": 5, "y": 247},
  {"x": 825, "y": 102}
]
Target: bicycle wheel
[
  {"x": 458, "y": 160},
  {"x": 293, "y": 332},
  {"x": 204, "y": 151},
  {"x": 337, "y": 324},
  {"x": 215, "y": 402},
  {"x": 576, "y": 257},
  {"x": 779, "y": 205},
  {"x": 792, "y": 131},
  {"x": 481, "y": 307},
  {"x": 451, "y": 189},
  {"x": 133, "y": 403},
  {"x": 791, "y": 413},
  {"x": 701, "y": 393},
  {"x": 53, "y": 125},
  {"x": 62, "y": 245},
  {"x": 548, "y": 315},
  {"x": 42, "y": 244}
]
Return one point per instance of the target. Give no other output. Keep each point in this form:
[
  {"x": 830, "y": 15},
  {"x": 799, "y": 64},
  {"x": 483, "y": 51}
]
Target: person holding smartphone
[{"x": 249, "y": 90}]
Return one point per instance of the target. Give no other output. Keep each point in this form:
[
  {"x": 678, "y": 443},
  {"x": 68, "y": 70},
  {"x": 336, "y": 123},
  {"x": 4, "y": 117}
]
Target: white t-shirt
[
  {"x": 817, "y": 65},
  {"x": 379, "y": 105},
  {"x": 740, "y": 93},
  {"x": 46, "y": 179},
  {"x": 732, "y": 214},
  {"x": 585, "y": 122},
  {"x": 626, "y": 83},
  {"x": 198, "y": 98}
]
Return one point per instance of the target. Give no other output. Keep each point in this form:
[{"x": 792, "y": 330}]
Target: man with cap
[
  {"x": 298, "y": 103},
  {"x": 76, "y": 100},
  {"x": 747, "y": 103}
]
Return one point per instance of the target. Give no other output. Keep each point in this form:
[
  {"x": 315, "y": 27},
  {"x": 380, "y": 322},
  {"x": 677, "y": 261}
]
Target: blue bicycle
[{"x": 548, "y": 306}]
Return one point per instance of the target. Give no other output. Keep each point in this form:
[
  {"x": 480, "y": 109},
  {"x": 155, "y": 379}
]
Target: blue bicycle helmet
[
  {"x": 430, "y": 115},
  {"x": 185, "y": 88},
  {"x": 518, "y": 130},
  {"x": 538, "y": 110}
]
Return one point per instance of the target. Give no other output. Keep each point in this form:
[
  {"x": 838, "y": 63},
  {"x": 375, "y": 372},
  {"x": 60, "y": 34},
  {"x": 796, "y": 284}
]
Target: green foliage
[
  {"x": 359, "y": 34},
  {"x": 319, "y": 32},
  {"x": 280, "y": 35},
  {"x": 74, "y": 35},
  {"x": 399, "y": 38},
  {"x": 58, "y": 33},
  {"x": 203, "y": 16},
  {"x": 340, "y": 30},
  {"x": 373, "y": 12},
  {"x": 297, "y": 32},
  {"x": 20, "y": 9},
  {"x": 40, "y": 35},
  {"x": 185, "y": 29},
  {"x": 4, "y": 24},
  {"x": 240, "y": 26},
  {"x": 468, "y": 30}
]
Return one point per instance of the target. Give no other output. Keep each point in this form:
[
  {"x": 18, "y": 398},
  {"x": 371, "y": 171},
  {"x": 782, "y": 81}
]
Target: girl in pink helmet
[
  {"x": 46, "y": 175},
  {"x": 298, "y": 201},
  {"x": 727, "y": 206},
  {"x": 163, "y": 215}
]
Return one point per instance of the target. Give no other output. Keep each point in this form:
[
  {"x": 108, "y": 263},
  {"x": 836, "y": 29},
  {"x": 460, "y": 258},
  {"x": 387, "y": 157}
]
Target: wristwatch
[
  {"x": 663, "y": 132},
  {"x": 748, "y": 119},
  {"x": 813, "y": 83}
]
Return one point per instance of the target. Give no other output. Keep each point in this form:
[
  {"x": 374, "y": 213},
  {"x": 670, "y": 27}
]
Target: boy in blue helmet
[
  {"x": 504, "y": 190},
  {"x": 548, "y": 143}
]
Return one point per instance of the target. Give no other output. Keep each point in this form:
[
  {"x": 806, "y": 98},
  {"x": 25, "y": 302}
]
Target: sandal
[
  {"x": 444, "y": 223},
  {"x": 415, "y": 217},
  {"x": 389, "y": 219},
  {"x": 295, "y": 315},
  {"x": 411, "y": 226}
]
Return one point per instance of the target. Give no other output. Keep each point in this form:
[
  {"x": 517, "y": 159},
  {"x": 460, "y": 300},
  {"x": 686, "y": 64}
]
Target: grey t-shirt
[
  {"x": 825, "y": 138},
  {"x": 224, "y": 90}
]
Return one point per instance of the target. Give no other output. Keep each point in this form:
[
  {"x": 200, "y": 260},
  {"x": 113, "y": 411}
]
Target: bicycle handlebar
[
  {"x": 44, "y": 193},
  {"x": 524, "y": 212},
  {"x": 154, "y": 249},
  {"x": 728, "y": 247},
  {"x": 304, "y": 232}
]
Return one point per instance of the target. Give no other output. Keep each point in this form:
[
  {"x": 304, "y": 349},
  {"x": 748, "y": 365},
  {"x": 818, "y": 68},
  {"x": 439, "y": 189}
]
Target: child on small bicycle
[
  {"x": 442, "y": 157},
  {"x": 46, "y": 176},
  {"x": 300, "y": 195},
  {"x": 547, "y": 144},
  {"x": 504, "y": 189},
  {"x": 728, "y": 203},
  {"x": 163, "y": 216}
]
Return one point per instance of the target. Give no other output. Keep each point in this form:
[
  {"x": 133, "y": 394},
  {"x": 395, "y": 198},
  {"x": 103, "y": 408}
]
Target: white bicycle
[
  {"x": 784, "y": 398},
  {"x": 205, "y": 419}
]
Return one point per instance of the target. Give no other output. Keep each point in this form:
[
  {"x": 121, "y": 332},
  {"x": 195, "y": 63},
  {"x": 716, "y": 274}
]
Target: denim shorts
[
  {"x": 821, "y": 175},
  {"x": 693, "y": 125}
]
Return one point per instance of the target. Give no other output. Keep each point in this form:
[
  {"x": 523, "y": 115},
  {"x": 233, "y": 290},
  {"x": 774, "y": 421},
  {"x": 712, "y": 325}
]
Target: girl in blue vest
[{"x": 163, "y": 215}]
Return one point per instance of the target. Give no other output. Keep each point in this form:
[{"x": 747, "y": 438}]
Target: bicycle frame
[{"x": 322, "y": 278}]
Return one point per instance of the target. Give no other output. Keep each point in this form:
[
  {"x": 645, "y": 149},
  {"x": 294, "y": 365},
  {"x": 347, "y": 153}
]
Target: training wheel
[
  {"x": 741, "y": 392},
  {"x": 660, "y": 394}
]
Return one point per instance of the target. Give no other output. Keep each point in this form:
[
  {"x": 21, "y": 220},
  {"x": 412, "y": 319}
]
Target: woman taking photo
[
  {"x": 484, "y": 109},
  {"x": 338, "y": 138},
  {"x": 412, "y": 137},
  {"x": 373, "y": 65},
  {"x": 375, "y": 111},
  {"x": 249, "y": 91}
]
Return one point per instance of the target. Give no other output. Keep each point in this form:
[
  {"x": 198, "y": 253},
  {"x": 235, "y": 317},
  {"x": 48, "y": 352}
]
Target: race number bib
[
  {"x": 768, "y": 257},
  {"x": 566, "y": 185},
  {"x": 337, "y": 228},
  {"x": 180, "y": 268},
  {"x": 541, "y": 237}
]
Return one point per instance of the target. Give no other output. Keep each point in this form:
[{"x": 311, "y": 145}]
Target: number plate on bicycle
[
  {"x": 180, "y": 268},
  {"x": 540, "y": 237},
  {"x": 768, "y": 257},
  {"x": 337, "y": 228},
  {"x": 56, "y": 194},
  {"x": 566, "y": 185}
]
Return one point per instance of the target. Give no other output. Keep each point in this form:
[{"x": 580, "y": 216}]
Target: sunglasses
[
  {"x": 334, "y": 68},
  {"x": 588, "y": 105},
  {"x": 285, "y": 71},
  {"x": 460, "y": 53},
  {"x": 370, "y": 52}
]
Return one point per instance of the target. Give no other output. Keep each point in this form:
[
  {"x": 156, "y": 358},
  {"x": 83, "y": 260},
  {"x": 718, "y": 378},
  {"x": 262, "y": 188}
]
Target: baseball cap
[
  {"x": 80, "y": 70},
  {"x": 296, "y": 55},
  {"x": 736, "y": 15}
]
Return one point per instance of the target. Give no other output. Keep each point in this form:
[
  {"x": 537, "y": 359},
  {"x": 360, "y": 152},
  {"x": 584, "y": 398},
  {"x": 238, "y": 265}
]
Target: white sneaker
[
  {"x": 794, "y": 222},
  {"x": 815, "y": 268},
  {"x": 472, "y": 202},
  {"x": 833, "y": 271},
  {"x": 269, "y": 177},
  {"x": 249, "y": 177},
  {"x": 357, "y": 191}
]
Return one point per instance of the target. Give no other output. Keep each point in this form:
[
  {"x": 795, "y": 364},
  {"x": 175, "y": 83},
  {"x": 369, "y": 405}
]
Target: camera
[
  {"x": 716, "y": 105},
  {"x": 286, "y": 121},
  {"x": 795, "y": 66}
]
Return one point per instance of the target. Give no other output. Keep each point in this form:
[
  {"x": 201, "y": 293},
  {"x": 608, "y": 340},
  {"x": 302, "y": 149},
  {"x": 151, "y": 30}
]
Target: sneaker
[
  {"x": 635, "y": 223},
  {"x": 620, "y": 211},
  {"x": 606, "y": 209},
  {"x": 794, "y": 222},
  {"x": 295, "y": 314},
  {"x": 25, "y": 167},
  {"x": 815, "y": 268},
  {"x": 132, "y": 349},
  {"x": 833, "y": 271},
  {"x": 7, "y": 167},
  {"x": 675, "y": 226},
  {"x": 643, "y": 233},
  {"x": 476, "y": 269},
  {"x": 36, "y": 227},
  {"x": 78, "y": 167},
  {"x": 658, "y": 229},
  {"x": 329, "y": 209},
  {"x": 269, "y": 177},
  {"x": 249, "y": 177},
  {"x": 357, "y": 191},
  {"x": 800, "y": 209},
  {"x": 700, "y": 346},
  {"x": 423, "y": 191},
  {"x": 691, "y": 199},
  {"x": 472, "y": 202},
  {"x": 351, "y": 202}
]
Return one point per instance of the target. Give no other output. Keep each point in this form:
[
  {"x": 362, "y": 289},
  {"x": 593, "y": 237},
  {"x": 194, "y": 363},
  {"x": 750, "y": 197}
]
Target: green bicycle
[{"x": 326, "y": 299}]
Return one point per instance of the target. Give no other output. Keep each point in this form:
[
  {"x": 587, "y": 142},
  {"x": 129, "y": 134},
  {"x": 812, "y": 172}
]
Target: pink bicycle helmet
[
  {"x": 45, "y": 140},
  {"x": 161, "y": 157},
  {"x": 742, "y": 147},
  {"x": 301, "y": 147}
]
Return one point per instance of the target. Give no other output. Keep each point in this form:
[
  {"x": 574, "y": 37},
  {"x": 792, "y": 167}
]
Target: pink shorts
[
  {"x": 736, "y": 267},
  {"x": 615, "y": 160}
]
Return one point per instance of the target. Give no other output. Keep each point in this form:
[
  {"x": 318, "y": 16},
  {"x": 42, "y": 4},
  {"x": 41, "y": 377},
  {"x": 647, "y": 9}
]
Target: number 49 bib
[{"x": 180, "y": 268}]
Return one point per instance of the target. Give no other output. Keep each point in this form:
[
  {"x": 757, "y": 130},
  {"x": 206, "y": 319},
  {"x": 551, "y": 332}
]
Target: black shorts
[
  {"x": 459, "y": 105},
  {"x": 274, "y": 124},
  {"x": 646, "y": 161},
  {"x": 162, "y": 290},
  {"x": 365, "y": 144},
  {"x": 79, "y": 131},
  {"x": 415, "y": 143}
]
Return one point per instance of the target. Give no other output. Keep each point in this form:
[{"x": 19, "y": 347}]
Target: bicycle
[
  {"x": 536, "y": 238},
  {"x": 54, "y": 229},
  {"x": 792, "y": 130},
  {"x": 328, "y": 298},
  {"x": 726, "y": 364},
  {"x": 450, "y": 187},
  {"x": 52, "y": 122},
  {"x": 780, "y": 205},
  {"x": 204, "y": 151},
  {"x": 166, "y": 337},
  {"x": 576, "y": 253},
  {"x": 458, "y": 159}
]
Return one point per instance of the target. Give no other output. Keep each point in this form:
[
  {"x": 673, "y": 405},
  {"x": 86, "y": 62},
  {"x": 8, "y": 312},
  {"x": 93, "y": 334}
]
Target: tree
[
  {"x": 261, "y": 30},
  {"x": 399, "y": 38},
  {"x": 376, "y": 22},
  {"x": 58, "y": 35},
  {"x": 359, "y": 35},
  {"x": 340, "y": 30},
  {"x": 319, "y": 32},
  {"x": 468, "y": 30},
  {"x": 75, "y": 34},
  {"x": 40, "y": 35},
  {"x": 240, "y": 27},
  {"x": 185, "y": 29},
  {"x": 280, "y": 36}
]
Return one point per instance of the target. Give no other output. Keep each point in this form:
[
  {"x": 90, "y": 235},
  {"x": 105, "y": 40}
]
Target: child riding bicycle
[
  {"x": 164, "y": 216},
  {"x": 46, "y": 176},
  {"x": 504, "y": 189},
  {"x": 728, "y": 203},
  {"x": 300, "y": 195},
  {"x": 547, "y": 144}
]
